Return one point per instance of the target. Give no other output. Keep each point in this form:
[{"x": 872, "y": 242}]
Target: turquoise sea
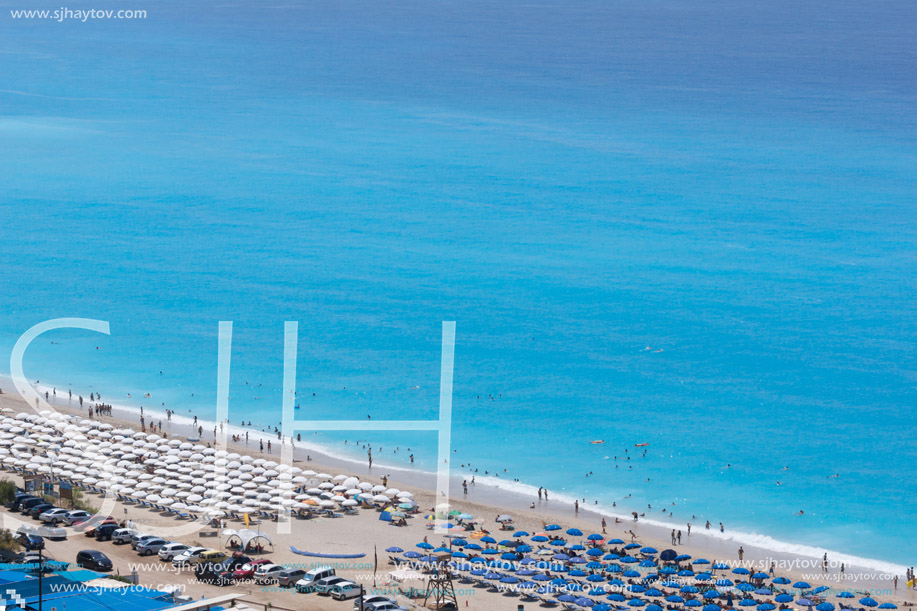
[{"x": 684, "y": 224}]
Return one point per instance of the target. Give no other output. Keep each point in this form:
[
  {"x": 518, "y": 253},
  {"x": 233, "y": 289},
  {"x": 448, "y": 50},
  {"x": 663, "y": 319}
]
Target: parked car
[
  {"x": 220, "y": 573},
  {"x": 30, "y": 541},
  {"x": 26, "y": 504},
  {"x": 386, "y": 606},
  {"x": 343, "y": 591},
  {"x": 123, "y": 535},
  {"x": 170, "y": 550},
  {"x": 308, "y": 580},
  {"x": 267, "y": 573},
  {"x": 184, "y": 558},
  {"x": 371, "y": 600},
  {"x": 53, "y": 516},
  {"x": 36, "y": 510},
  {"x": 19, "y": 499},
  {"x": 247, "y": 570},
  {"x": 288, "y": 577},
  {"x": 55, "y": 533},
  {"x": 88, "y": 527},
  {"x": 138, "y": 538},
  {"x": 105, "y": 532},
  {"x": 76, "y": 516},
  {"x": 323, "y": 586},
  {"x": 93, "y": 560},
  {"x": 150, "y": 546}
]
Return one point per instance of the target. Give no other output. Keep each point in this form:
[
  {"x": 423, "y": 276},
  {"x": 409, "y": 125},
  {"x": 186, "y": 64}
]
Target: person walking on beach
[
  {"x": 576, "y": 507},
  {"x": 679, "y": 537},
  {"x": 741, "y": 553},
  {"x": 603, "y": 525},
  {"x": 261, "y": 444},
  {"x": 689, "y": 529},
  {"x": 539, "y": 493},
  {"x": 672, "y": 536}
]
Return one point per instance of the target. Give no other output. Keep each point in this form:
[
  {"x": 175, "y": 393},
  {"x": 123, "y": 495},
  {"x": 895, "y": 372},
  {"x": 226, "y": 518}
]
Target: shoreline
[{"x": 494, "y": 496}]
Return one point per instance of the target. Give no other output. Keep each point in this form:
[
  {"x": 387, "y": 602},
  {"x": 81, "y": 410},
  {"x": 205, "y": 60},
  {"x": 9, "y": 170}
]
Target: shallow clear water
[{"x": 732, "y": 184}]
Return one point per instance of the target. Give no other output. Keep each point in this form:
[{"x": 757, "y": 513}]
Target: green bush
[{"x": 7, "y": 491}]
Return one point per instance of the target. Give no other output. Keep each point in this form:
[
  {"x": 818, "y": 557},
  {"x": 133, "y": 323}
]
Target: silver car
[
  {"x": 77, "y": 515},
  {"x": 53, "y": 516},
  {"x": 150, "y": 546}
]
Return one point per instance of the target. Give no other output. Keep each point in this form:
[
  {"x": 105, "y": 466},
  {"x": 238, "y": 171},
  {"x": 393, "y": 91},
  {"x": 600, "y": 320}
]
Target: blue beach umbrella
[
  {"x": 824, "y": 607},
  {"x": 845, "y": 594},
  {"x": 682, "y": 557},
  {"x": 632, "y": 546},
  {"x": 675, "y": 598},
  {"x": 424, "y": 545},
  {"x": 523, "y": 548},
  {"x": 636, "y": 602},
  {"x": 601, "y": 607},
  {"x": 595, "y": 551},
  {"x": 412, "y": 554},
  {"x": 488, "y": 539},
  {"x": 541, "y": 577},
  {"x": 630, "y": 574},
  {"x": 459, "y": 555},
  {"x": 509, "y": 579},
  {"x": 577, "y": 573},
  {"x": 653, "y": 608},
  {"x": 689, "y": 589},
  {"x": 780, "y": 580},
  {"x": 701, "y": 561},
  {"x": 636, "y": 588},
  {"x": 473, "y": 546},
  {"x": 868, "y": 602},
  {"x": 615, "y": 541},
  {"x": 805, "y": 602},
  {"x": 594, "y": 578},
  {"x": 616, "y": 597},
  {"x": 760, "y": 575},
  {"x": 747, "y": 602},
  {"x": 551, "y": 527},
  {"x": 394, "y": 550},
  {"x": 802, "y": 585},
  {"x": 724, "y": 582},
  {"x": 574, "y": 532},
  {"x": 577, "y": 560},
  {"x": 783, "y": 598},
  {"x": 594, "y": 565},
  {"x": 582, "y": 601},
  {"x": 649, "y": 550},
  {"x": 647, "y": 563},
  {"x": 559, "y": 542},
  {"x": 766, "y": 607},
  {"x": 888, "y": 606},
  {"x": 821, "y": 589},
  {"x": 711, "y": 608},
  {"x": 694, "y": 603},
  {"x": 711, "y": 594},
  {"x": 539, "y": 538},
  {"x": 741, "y": 570},
  {"x": 629, "y": 560},
  {"x": 653, "y": 592},
  {"x": 594, "y": 537},
  {"x": 685, "y": 573},
  {"x": 520, "y": 533}
]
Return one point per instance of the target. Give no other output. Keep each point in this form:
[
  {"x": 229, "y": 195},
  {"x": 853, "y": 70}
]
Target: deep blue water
[{"x": 731, "y": 182}]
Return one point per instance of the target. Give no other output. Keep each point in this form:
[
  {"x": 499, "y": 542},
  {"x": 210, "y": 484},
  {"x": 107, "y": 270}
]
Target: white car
[
  {"x": 267, "y": 573},
  {"x": 371, "y": 600},
  {"x": 53, "y": 516},
  {"x": 77, "y": 515},
  {"x": 188, "y": 556},
  {"x": 386, "y": 606},
  {"x": 170, "y": 550},
  {"x": 343, "y": 591},
  {"x": 323, "y": 586}
]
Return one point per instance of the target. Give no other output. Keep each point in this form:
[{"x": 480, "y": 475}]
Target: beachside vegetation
[
  {"x": 7, "y": 541},
  {"x": 7, "y": 491}
]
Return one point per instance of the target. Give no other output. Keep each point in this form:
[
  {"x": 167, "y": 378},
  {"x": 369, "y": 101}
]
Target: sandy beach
[{"x": 365, "y": 533}]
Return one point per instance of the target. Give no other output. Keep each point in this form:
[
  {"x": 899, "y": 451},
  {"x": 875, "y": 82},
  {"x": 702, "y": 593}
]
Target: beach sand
[{"x": 365, "y": 533}]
